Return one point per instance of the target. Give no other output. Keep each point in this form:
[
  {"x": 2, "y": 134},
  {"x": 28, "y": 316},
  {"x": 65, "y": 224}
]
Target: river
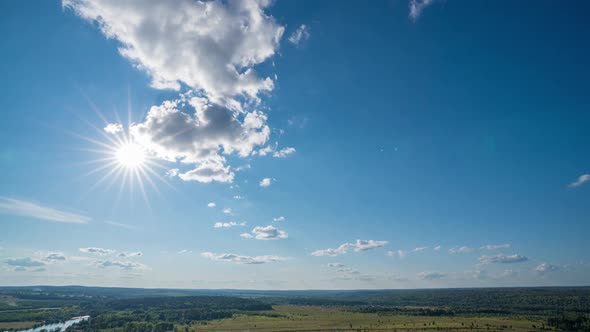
[{"x": 62, "y": 326}]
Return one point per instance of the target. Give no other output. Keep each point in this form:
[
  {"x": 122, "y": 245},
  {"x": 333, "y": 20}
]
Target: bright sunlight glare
[{"x": 130, "y": 155}]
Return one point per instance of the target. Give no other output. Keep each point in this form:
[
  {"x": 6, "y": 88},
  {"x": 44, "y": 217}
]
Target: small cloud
[
  {"x": 503, "y": 259},
  {"x": 437, "y": 248},
  {"x": 266, "y": 182},
  {"x": 173, "y": 172},
  {"x": 120, "y": 265},
  {"x": 37, "y": 211},
  {"x": 544, "y": 268},
  {"x": 211, "y": 205},
  {"x": 431, "y": 275},
  {"x": 227, "y": 211},
  {"x": 283, "y": 153},
  {"x": 358, "y": 246},
  {"x": 336, "y": 265},
  {"x": 419, "y": 249},
  {"x": 266, "y": 233},
  {"x": 238, "y": 197},
  {"x": 184, "y": 251},
  {"x": 113, "y": 128},
  {"x": 239, "y": 259},
  {"x": 279, "y": 219},
  {"x": 97, "y": 251},
  {"x": 23, "y": 262},
  {"x": 54, "y": 257},
  {"x": 130, "y": 254},
  {"x": 417, "y": 6},
  {"x": 228, "y": 224},
  {"x": 301, "y": 34},
  {"x": 118, "y": 224},
  {"x": 580, "y": 181},
  {"x": 496, "y": 246},
  {"x": 460, "y": 250},
  {"x": 398, "y": 253}
]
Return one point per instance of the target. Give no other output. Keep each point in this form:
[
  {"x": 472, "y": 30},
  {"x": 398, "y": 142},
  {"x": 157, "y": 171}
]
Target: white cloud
[
  {"x": 173, "y": 172},
  {"x": 580, "y": 181},
  {"x": 460, "y": 250},
  {"x": 97, "y": 251},
  {"x": 207, "y": 45},
  {"x": 37, "y": 211},
  {"x": 238, "y": 197},
  {"x": 359, "y": 245},
  {"x": 228, "y": 224},
  {"x": 113, "y": 128},
  {"x": 437, "y": 248},
  {"x": 265, "y": 182},
  {"x": 302, "y": 33},
  {"x": 200, "y": 138},
  {"x": 279, "y": 219},
  {"x": 504, "y": 259},
  {"x": 338, "y": 265},
  {"x": 130, "y": 254},
  {"x": 284, "y": 152},
  {"x": 545, "y": 268},
  {"x": 239, "y": 259},
  {"x": 266, "y": 233},
  {"x": 496, "y": 246},
  {"x": 120, "y": 264},
  {"x": 398, "y": 253},
  {"x": 431, "y": 275},
  {"x": 419, "y": 249},
  {"x": 417, "y": 6},
  {"x": 184, "y": 251},
  {"x": 227, "y": 211},
  {"x": 211, "y": 205}
]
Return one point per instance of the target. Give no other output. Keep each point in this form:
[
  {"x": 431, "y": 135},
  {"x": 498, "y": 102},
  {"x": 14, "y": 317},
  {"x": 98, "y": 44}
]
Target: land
[{"x": 159, "y": 310}]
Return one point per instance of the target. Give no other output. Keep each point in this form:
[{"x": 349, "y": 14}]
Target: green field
[{"x": 314, "y": 318}]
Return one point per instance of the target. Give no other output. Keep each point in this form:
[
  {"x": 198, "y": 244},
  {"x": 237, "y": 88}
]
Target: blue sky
[{"x": 405, "y": 144}]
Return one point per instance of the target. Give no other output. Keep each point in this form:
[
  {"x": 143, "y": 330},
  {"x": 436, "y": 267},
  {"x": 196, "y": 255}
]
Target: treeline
[
  {"x": 538, "y": 301},
  {"x": 152, "y": 313},
  {"x": 570, "y": 322}
]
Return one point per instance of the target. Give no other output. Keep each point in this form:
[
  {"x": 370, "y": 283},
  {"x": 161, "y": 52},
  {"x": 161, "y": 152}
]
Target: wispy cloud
[
  {"x": 504, "y": 259},
  {"x": 23, "y": 262},
  {"x": 121, "y": 225},
  {"x": 34, "y": 210},
  {"x": 431, "y": 275},
  {"x": 496, "y": 246},
  {"x": 120, "y": 264},
  {"x": 239, "y": 259},
  {"x": 130, "y": 254},
  {"x": 279, "y": 219},
  {"x": 97, "y": 251},
  {"x": 544, "y": 268},
  {"x": 417, "y": 6},
  {"x": 359, "y": 245},
  {"x": 299, "y": 35},
  {"x": 228, "y": 224},
  {"x": 460, "y": 250},
  {"x": 580, "y": 181}
]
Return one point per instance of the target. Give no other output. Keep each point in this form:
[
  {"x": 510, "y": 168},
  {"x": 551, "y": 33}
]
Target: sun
[{"x": 130, "y": 155}]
